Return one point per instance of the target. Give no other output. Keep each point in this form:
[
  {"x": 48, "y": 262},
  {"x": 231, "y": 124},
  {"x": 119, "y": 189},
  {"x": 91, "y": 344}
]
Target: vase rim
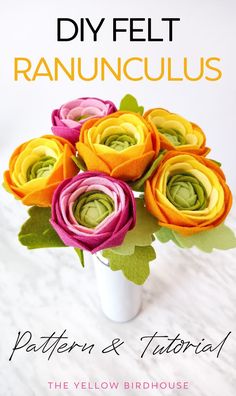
[{"x": 102, "y": 259}]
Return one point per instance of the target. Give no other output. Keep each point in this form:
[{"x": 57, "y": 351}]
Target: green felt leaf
[
  {"x": 138, "y": 185},
  {"x": 216, "y": 162},
  {"x": 37, "y": 232},
  {"x": 134, "y": 267},
  {"x": 129, "y": 103},
  {"x": 142, "y": 234},
  {"x": 165, "y": 235},
  {"x": 79, "y": 162},
  {"x": 80, "y": 254},
  {"x": 221, "y": 238}
]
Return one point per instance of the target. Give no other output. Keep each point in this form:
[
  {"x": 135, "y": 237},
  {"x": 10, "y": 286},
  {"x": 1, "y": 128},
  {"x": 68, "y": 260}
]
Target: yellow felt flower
[
  {"x": 177, "y": 133},
  {"x": 37, "y": 167},
  {"x": 188, "y": 193},
  {"x": 122, "y": 145}
]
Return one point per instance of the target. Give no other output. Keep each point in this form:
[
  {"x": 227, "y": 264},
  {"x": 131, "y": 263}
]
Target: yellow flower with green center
[
  {"x": 119, "y": 142},
  {"x": 37, "y": 167},
  {"x": 177, "y": 133},
  {"x": 188, "y": 193},
  {"x": 122, "y": 145},
  {"x": 41, "y": 168}
]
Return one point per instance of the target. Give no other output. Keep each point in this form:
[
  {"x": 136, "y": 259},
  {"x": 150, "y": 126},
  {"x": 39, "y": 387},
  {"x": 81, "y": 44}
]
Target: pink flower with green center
[
  {"x": 68, "y": 120},
  {"x": 93, "y": 211}
]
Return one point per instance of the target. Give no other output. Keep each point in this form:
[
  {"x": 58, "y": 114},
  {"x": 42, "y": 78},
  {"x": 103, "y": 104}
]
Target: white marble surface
[{"x": 44, "y": 291}]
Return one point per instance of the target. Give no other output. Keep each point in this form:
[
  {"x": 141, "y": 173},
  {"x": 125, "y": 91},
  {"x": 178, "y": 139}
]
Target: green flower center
[
  {"x": 174, "y": 136},
  {"x": 41, "y": 168},
  {"x": 92, "y": 207},
  {"x": 119, "y": 142},
  {"x": 82, "y": 117},
  {"x": 186, "y": 192}
]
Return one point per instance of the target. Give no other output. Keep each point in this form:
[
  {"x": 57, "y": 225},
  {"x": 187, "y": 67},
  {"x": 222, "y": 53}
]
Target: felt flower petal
[
  {"x": 177, "y": 133},
  {"x": 188, "y": 193},
  {"x": 93, "y": 162},
  {"x": 121, "y": 144},
  {"x": 93, "y": 211},
  {"x": 37, "y": 167},
  {"x": 133, "y": 168},
  {"x": 69, "y": 119}
]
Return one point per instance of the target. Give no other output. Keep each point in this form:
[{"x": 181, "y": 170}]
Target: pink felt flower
[
  {"x": 93, "y": 211},
  {"x": 68, "y": 120}
]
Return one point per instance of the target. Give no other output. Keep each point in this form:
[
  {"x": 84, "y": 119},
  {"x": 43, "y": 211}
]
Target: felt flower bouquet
[{"x": 113, "y": 181}]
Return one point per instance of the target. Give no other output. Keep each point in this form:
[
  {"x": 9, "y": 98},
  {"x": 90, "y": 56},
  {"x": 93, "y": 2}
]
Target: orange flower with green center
[
  {"x": 188, "y": 193},
  {"x": 37, "y": 167},
  {"x": 177, "y": 133},
  {"x": 122, "y": 145}
]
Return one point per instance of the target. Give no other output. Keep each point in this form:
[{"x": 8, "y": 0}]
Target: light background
[{"x": 47, "y": 290}]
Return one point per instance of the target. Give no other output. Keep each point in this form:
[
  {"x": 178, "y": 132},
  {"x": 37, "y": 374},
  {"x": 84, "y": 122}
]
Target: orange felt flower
[
  {"x": 177, "y": 133},
  {"x": 121, "y": 145},
  {"x": 188, "y": 193},
  {"x": 37, "y": 167}
]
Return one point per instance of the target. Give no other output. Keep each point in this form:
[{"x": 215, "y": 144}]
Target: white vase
[{"x": 120, "y": 298}]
